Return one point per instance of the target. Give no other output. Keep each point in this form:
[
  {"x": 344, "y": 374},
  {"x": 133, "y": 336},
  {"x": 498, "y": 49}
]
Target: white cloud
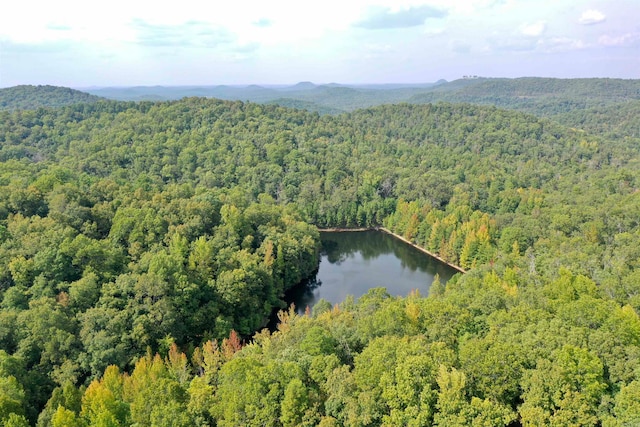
[
  {"x": 188, "y": 34},
  {"x": 592, "y": 16},
  {"x": 533, "y": 30},
  {"x": 459, "y": 46},
  {"x": 247, "y": 41},
  {"x": 433, "y": 31},
  {"x": 619, "y": 41},
  {"x": 373, "y": 50},
  {"x": 561, "y": 44},
  {"x": 384, "y": 18},
  {"x": 468, "y": 7},
  {"x": 513, "y": 44}
]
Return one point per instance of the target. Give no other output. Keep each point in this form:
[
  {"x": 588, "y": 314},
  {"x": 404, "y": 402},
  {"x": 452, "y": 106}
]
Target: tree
[
  {"x": 295, "y": 403},
  {"x": 65, "y": 418},
  {"x": 102, "y": 402},
  {"x": 564, "y": 390},
  {"x": 627, "y": 406},
  {"x": 11, "y": 399}
]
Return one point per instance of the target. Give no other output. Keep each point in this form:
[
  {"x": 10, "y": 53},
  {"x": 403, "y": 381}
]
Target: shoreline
[
  {"x": 345, "y": 230},
  {"x": 397, "y": 236}
]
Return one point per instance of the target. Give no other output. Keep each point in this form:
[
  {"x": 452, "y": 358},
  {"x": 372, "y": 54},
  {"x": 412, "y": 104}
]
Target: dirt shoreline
[
  {"x": 345, "y": 230},
  {"x": 397, "y": 236}
]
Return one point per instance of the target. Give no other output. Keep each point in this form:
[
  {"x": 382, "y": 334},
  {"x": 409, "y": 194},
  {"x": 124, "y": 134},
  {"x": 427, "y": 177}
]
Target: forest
[
  {"x": 144, "y": 244},
  {"x": 29, "y": 97},
  {"x": 547, "y": 97}
]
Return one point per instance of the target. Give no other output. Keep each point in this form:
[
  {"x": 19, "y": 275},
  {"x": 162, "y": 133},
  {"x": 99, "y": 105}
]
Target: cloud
[
  {"x": 434, "y": 31},
  {"x": 247, "y": 48},
  {"x": 561, "y": 44},
  {"x": 528, "y": 44},
  {"x": 189, "y": 34},
  {"x": 263, "y": 23},
  {"x": 514, "y": 44},
  {"x": 627, "y": 39},
  {"x": 58, "y": 27},
  {"x": 533, "y": 30},
  {"x": 591, "y": 17},
  {"x": 377, "y": 50},
  {"x": 384, "y": 18},
  {"x": 459, "y": 46},
  {"x": 50, "y": 47}
]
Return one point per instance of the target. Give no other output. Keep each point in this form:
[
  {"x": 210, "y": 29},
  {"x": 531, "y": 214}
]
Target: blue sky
[{"x": 193, "y": 42}]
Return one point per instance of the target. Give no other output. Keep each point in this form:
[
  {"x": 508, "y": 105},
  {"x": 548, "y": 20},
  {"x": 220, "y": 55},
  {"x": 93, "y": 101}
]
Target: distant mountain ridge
[
  {"x": 538, "y": 95},
  {"x": 333, "y": 97},
  {"x": 541, "y": 96},
  {"x": 29, "y": 97},
  {"x": 613, "y": 102}
]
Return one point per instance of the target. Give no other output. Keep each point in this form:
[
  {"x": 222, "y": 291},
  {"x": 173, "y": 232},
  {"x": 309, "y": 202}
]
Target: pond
[{"x": 353, "y": 262}]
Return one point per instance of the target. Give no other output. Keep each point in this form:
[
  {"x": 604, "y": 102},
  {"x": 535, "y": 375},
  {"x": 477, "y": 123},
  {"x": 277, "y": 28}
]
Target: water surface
[{"x": 351, "y": 263}]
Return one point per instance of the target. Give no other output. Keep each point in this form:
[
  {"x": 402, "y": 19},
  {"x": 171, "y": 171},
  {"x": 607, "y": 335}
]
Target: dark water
[{"x": 353, "y": 262}]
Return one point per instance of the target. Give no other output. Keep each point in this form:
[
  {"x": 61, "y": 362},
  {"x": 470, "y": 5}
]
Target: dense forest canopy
[
  {"x": 27, "y": 97},
  {"x": 173, "y": 228},
  {"x": 542, "y": 96}
]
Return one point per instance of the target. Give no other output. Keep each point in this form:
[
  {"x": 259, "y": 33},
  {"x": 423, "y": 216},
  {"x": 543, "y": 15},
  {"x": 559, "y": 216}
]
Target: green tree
[
  {"x": 295, "y": 402},
  {"x": 12, "y": 399},
  {"x": 565, "y": 390}
]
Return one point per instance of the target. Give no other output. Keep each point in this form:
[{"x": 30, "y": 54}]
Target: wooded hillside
[
  {"x": 27, "y": 97},
  {"x": 130, "y": 229}
]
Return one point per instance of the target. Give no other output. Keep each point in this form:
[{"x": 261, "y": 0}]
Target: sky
[{"x": 192, "y": 42}]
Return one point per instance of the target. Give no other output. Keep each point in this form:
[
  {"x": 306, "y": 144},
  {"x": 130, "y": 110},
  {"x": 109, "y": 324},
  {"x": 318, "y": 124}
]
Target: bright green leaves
[
  {"x": 295, "y": 402},
  {"x": 564, "y": 390},
  {"x": 12, "y": 399},
  {"x": 408, "y": 391},
  {"x": 396, "y": 381},
  {"x": 459, "y": 235},
  {"x": 494, "y": 368},
  {"x": 320, "y": 371},
  {"x": 627, "y": 405},
  {"x": 452, "y": 407},
  {"x": 249, "y": 392},
  {"x": 156, "y": 392},
  {"x": 103, "y": 403},
  {"x": 457, "y": 410},
  {"x": 65, "y": 404},
  {"x": 66, "y": 418}
]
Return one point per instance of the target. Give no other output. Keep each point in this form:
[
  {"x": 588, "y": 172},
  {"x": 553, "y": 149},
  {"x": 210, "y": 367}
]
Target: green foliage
[
  {"x": 65, "y": 418},
  {"x": 627, "y": 405},
  {"x": 129, "y": 229},
  {"x": 11, "y": 398},
  {"x": 434, "y": 366},
  {"x": 15, "y": 420},
  {"x": 63, "y": 406},
  {"x": 27, "y": 97},
  {"x": 565, "y": 390},
  {"x": 102, "y": 402},
  {"x": 294, "y": 403}
]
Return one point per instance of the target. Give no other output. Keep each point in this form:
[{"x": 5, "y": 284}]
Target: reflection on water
[{"x": 353, "y": 262}]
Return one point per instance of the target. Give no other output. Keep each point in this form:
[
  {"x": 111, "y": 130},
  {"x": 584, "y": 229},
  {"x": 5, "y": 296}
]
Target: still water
[{"x": 353, "y": 262}]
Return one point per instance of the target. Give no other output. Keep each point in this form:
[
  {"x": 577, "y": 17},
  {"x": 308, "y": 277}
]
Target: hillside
[
  {"x": 304, "y": 105},
  {"x": 129, "y": 229},
  {"x": 540, "y": 96},
  {"x": 594, "y": 105},
  {"x": 618, "y": 120},
  {"x": 331, "y": 98},
  {"x": 27, "y": 97}
]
